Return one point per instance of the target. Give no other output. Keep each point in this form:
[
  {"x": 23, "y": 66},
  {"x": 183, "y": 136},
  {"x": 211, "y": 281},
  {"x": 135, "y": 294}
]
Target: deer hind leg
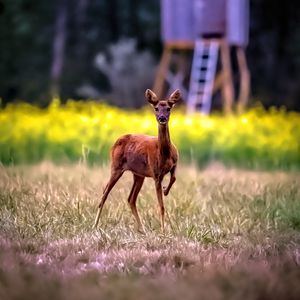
[
  {"x": 115, "y": 176},
  {"x": 137, "y": 185},
  {"x": 172, "y": 180},
  {"x": 161, "y": 204}
]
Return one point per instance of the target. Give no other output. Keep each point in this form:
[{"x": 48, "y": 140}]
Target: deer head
[{"x": 162, "y": 108}]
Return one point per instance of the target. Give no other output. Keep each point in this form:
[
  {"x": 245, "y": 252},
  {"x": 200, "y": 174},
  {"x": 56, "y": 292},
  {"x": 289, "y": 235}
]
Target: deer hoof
[
  {"x": 166, "y": 192},
  {"x": 141, "y": 230}
]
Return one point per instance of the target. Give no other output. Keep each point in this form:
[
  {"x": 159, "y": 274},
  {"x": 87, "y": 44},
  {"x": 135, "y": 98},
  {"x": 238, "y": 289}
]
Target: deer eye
[
  {"x": 168, "y": 109},
  {"x": 155, "y": 108}
]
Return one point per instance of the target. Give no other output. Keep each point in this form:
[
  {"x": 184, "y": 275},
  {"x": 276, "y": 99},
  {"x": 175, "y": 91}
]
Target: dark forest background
[{"x": 101, "y": 49}]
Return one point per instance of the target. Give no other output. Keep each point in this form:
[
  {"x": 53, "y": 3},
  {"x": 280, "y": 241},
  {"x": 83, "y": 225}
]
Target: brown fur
[{"x": 145, "y": 156}]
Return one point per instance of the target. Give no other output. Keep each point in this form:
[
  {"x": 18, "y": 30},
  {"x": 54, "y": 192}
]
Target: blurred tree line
[{"x": 81, "y": 48}]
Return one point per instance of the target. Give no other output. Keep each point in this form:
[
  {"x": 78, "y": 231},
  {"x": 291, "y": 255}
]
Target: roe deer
[{"x": 145, "y": 156}]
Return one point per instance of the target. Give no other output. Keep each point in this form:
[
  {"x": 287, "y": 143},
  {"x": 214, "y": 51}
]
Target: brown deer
[{"x": 145, "y": 156}]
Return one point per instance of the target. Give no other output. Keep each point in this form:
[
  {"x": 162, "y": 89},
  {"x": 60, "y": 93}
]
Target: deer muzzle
[{"x": 162, "y": 119}]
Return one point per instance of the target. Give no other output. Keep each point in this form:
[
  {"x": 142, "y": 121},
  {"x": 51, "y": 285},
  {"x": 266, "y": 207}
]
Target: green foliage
[
  {"x": 86, "y": 131},
  {"x": 28, "y": 31},
  {"x": 124, "y": 67}
]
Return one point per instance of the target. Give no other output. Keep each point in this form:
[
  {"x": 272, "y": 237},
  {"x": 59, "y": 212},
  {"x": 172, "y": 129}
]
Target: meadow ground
[{"x": 230, "y": 234}]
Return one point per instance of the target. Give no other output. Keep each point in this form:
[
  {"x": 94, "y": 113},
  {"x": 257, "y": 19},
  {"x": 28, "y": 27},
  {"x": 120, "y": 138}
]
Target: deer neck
[{"x": 164, "y": 142}]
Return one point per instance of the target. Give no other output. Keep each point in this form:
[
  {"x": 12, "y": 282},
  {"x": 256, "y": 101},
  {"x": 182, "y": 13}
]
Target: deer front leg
[
  {"x": 161, "y": 204},
  {"x": 172, "y": 180}
]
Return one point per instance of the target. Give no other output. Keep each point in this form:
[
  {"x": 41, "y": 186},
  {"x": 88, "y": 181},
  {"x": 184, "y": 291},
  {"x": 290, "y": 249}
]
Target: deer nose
[{"x": 162, "y": 119}]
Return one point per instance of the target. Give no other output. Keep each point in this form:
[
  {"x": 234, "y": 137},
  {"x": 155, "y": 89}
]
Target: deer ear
[
  {"x": 175, "y": 97},
  {"x": 151, "y": 97}
]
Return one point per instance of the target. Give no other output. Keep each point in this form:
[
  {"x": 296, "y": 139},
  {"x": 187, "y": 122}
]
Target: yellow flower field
[{"x": 86, "y": 130}]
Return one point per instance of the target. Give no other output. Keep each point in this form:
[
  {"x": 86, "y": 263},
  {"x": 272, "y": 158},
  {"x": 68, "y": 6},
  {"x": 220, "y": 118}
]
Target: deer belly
[{"x": 138, "y": 164}]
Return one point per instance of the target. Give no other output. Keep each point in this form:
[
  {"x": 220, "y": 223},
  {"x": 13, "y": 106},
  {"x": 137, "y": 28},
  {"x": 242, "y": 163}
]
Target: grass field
[{"x": 230, "y": 234}]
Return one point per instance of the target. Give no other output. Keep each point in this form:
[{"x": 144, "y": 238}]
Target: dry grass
[{"x": 229, "y": 234}]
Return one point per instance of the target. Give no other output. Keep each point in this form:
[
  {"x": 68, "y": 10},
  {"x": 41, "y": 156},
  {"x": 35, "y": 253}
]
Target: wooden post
[
  {"x": 162, "y": 71},
  {"x": 219, "y": 79},
  {"x": 244, "y": 80},
  {"x": 227, "y": 88},
  {"x": 165, "y": 63}
]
